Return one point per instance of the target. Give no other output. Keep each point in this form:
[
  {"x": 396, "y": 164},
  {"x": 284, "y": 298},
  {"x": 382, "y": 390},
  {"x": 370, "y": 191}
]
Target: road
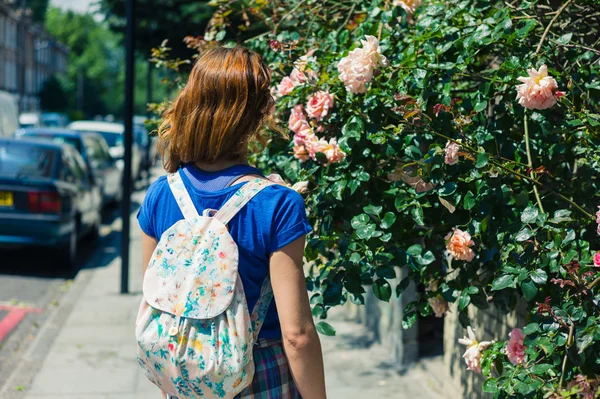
[{"x": 31, "y": 286}]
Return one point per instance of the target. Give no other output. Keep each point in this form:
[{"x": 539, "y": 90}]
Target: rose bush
[{"x": 458, "y": 141}]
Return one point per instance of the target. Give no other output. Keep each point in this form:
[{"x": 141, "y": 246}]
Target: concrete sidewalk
[{"x": 91, "y": 349}]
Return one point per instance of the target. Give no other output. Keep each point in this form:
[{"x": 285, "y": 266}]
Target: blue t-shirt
[{"x": 274, "y": 218}]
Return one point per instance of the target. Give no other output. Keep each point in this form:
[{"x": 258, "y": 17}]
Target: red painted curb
[{"x": 13, "y": 318}]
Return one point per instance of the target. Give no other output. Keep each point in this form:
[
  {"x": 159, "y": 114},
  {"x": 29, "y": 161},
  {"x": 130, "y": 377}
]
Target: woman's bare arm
[
  {"x": 148, "y": 247},
  {"x": 300, "y": 338}
]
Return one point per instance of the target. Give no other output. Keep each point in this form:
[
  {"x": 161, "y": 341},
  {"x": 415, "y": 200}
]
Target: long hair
[{"x": 223, "y": 105}]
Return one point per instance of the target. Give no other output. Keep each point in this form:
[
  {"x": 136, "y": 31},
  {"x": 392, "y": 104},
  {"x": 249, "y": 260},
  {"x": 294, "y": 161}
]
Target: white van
[{"x": 9, "y": 115}]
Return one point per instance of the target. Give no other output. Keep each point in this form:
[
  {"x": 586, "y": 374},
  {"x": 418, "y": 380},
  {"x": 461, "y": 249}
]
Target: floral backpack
[{"x": 194, "y": 330}]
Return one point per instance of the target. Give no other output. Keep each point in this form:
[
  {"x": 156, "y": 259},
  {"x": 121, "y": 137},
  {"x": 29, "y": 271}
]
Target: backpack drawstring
[{"x": 175, "y": 327}]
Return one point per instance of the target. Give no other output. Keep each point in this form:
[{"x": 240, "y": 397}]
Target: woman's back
[{"x": 272, "y": 220}]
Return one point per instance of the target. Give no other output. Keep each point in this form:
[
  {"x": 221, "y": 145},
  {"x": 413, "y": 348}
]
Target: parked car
[
  {"x": 95, "y": 153},
  {"x": 46, "y": 197},
  {"x": 113, "y": 134},
  {"x": 9, "y": 115},
  {"x": 30, "y": 119},
  {"x": 146, "y": 143},
  {"x": 55, "y": 119}
]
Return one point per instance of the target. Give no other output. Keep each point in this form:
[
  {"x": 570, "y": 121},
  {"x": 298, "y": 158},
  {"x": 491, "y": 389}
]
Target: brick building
[{"x": 28, "y": 56}]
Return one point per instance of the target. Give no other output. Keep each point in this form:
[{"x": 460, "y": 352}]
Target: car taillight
[{"x": 44, "y": 202}]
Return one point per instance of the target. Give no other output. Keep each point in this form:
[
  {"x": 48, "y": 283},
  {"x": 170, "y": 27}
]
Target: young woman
[{"x": 204, "y": 138}]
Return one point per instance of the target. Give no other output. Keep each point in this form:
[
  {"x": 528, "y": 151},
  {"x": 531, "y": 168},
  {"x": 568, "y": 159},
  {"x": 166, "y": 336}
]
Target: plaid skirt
[{"x": 272, "y": 377}]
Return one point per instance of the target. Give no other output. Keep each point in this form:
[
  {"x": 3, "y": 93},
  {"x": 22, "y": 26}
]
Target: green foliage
[{"x": 525, "y": 187}]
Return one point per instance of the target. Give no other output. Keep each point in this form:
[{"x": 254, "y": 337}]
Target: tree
[
  {"x": 157, "y": 20},
  {"x": 95, "y": 59},
  {"x": 54, "y": 97}
]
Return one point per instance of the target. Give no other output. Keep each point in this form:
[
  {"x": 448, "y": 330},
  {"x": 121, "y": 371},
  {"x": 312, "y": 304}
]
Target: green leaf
[
  {"x": 382, "y": 289},
  {"x": 529, "y": 215},
  {"x": 425, "y": 259},
  {"x": 463, "y": 300},
  {"x": 388, "y": 220},
  {"x": 539, "y": 276},
  {"x": 469, "y": 201},
  {"x": 404, "y": 283},
  {"x": 562, "y": 215},
  {"x": 490, "y": 385},
  {"x": 408, "y": 320},
  {"x": 417, "y": 215},
  {"x": 524, "y": 235},
  {"x": 541, "y": 368},
  {"x": 325, "y": 329},
  {"x": 354, "y": 128},
  {"x": 447, "y": 189},
  {"x": 414, "y": 250},
  {"x": 482, "y": 160},
  {"x": 373, "y": 210},
  {"x": 481, "y": 106},
  {"x": 355, "y": 257},
  {"x": 565, "y": 39},
  {"x": 531, "y": 328},
  {"x": 502, "y": 282},
  {"x": 366, "y": 232},
  {"x": 337, "y": 189},
  {"x": 386, "y": 271},
  {"x": 359, "y": 221},
  {"x": 529, "y": 289}
]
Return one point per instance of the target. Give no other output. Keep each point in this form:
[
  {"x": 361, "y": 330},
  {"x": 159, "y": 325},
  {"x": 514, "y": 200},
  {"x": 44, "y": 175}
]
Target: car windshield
[
  {"x": 25, "y": 160},
  {"x": 113, "y": 139},
  {"x": 59, "y": 139}
]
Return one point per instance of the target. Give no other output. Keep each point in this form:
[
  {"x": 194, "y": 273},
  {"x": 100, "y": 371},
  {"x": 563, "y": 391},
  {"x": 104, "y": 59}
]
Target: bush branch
[
  {"x": 560, "y": 10},
  {"x": 530, "y": 164}
]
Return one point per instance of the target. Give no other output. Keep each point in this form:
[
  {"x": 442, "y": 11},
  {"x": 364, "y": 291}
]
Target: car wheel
[
  {"x": 94, "y": 233},
  {"x": 67, "y": 255}
]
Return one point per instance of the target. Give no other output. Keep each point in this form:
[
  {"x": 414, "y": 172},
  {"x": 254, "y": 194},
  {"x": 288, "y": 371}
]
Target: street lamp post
[{"x": 128, "y": 141}]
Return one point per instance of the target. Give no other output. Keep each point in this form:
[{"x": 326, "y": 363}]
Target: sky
[{"x": 75, "y": 5}]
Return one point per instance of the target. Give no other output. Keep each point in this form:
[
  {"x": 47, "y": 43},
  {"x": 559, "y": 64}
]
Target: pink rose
[
  {"x": 515, "y": 348},
  {"x": 458, "y": 244},
  {"x": 304, "y": 136},
  {"x": 472, "y": 355},
  {"x": 598, "y": 220},
  {"x": 373, "y": 51},
  {"x": 409, "y": 5},
  {"x": 439, "y": 305},
  {"x": 285, "y": 87},
  {"x": 319, "y": 104},
  {"x": 356, "y": 69},
  {"x": 297, "y": 122},
  {"x": 330, "y": 149},
  {"x": 538, "y": 89},
  {"x": 451, "y": 150},
  {"x": 597, "y": 259},
  {"x": 298, "y": 77},
  {"x": 301, "y": 153}
]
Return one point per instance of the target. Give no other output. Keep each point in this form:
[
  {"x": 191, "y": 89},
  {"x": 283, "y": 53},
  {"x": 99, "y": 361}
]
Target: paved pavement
[{"x": 86, "y": 349}]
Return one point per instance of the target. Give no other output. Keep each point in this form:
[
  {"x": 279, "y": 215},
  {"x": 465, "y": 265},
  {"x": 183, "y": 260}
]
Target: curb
[{"x": 33, "y": 358}]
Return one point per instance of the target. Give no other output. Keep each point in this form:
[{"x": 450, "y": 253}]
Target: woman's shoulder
[
  {"x": 156, "y": 190},
  {"x": 277, "y": 199}
]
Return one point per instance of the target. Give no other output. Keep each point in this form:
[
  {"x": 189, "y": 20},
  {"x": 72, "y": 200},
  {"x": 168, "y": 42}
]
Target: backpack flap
[{"x": 193, "y": 270}]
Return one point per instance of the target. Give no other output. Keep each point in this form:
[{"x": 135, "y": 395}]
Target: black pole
[{"x": 127, "y": 179}]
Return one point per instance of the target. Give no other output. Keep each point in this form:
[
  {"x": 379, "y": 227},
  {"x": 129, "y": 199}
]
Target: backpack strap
[
  {"x": 240, "y": 199},
  {"x": 184, "y": 201},
  {"x": 262, "y": 306}
]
